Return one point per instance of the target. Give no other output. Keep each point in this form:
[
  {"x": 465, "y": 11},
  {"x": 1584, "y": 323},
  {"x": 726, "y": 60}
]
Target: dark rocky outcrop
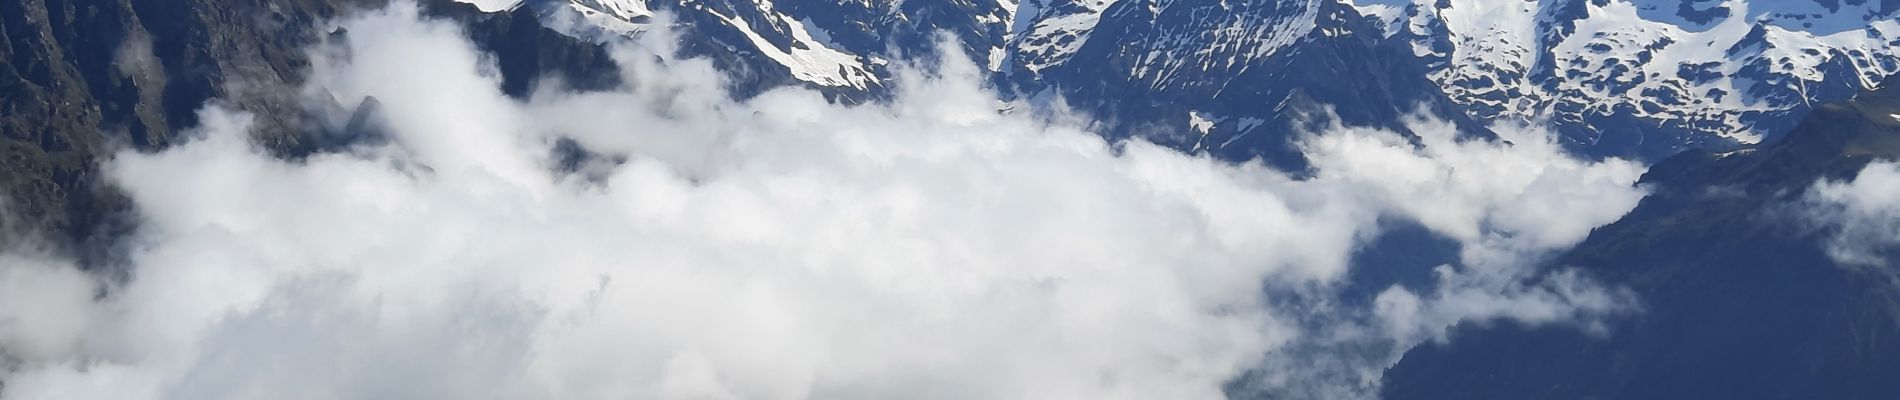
[{"x": 80, "y": 79}]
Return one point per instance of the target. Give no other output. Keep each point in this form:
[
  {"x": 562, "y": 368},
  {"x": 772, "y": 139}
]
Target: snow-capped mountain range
[
  {"x": 1714, "y": 69},
  {"x": 1617, "y": 77}
]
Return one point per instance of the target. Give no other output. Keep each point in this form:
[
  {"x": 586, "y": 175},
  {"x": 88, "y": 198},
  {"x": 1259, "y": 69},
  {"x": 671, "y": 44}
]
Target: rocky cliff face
[
  {"x": 83, "y": 78},
  {"x": 1239, "y": 77}
]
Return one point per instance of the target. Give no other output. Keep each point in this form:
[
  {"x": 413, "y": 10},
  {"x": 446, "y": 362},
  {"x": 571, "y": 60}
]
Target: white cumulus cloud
[{"x": 1862, "y": 215}]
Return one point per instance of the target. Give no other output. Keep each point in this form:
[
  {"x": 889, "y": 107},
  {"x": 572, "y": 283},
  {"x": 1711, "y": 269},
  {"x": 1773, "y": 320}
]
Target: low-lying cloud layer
[{"x": 778, "y": 247}]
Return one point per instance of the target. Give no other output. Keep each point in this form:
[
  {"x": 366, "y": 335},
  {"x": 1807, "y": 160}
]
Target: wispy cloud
[{"x": 1862, "y": 216}]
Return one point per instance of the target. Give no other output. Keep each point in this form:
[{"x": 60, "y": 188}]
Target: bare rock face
[{"x": 84, "y": 78}]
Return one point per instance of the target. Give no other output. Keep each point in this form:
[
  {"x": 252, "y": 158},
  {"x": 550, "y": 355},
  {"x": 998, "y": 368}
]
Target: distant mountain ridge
[
  {"x": 1642, "y": 78},
  {"x": 1623, "y": 73}
]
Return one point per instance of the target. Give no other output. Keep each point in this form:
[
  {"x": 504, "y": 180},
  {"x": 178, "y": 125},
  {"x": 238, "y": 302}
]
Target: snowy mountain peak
[
  {"x": 1046, "y": 33},
  {"x": 1711, "y": 68},
  {"x": 618, "y": 16}
]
